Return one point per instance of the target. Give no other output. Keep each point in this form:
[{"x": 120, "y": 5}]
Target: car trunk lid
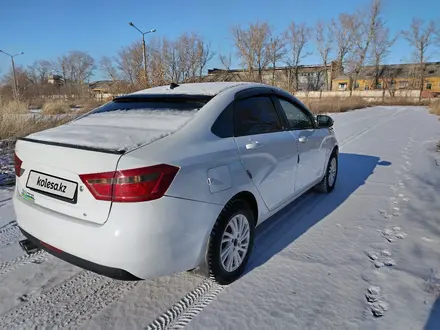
[
  {"x": 118, "y": 131},
  {"x": 50, "y": 178}
]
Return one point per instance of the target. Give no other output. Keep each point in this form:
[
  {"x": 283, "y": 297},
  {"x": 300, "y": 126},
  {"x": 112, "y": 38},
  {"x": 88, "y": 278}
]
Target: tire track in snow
[
  {"x": 186, "y": 317},
  {"x": 13, "y": 264},
  {"x": 69, "y": 303},
  {"x": 10, "y": 223},
  {"x": 186, "y": 309},
  {"x": 358, "y": 119},
  {"x": 367, "y": 129},
  {"x": 9, "y": 234},
  {"x": 5, "y": 201}
]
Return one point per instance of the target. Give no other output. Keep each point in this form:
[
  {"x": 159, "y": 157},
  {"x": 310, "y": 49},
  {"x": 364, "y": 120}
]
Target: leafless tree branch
[
  {"x": 324, "y": 43},
  {"x": 421, "y": 37},
  {"x": 298, "y": 36}
]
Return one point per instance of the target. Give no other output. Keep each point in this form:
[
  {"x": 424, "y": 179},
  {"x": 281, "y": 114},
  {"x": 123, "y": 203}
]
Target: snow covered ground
[{"x": 372, "y": 247}]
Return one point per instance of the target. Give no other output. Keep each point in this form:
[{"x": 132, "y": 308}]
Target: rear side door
[
  {"x": 311, "y": 154},
  {"x": 267, "y": 151}
]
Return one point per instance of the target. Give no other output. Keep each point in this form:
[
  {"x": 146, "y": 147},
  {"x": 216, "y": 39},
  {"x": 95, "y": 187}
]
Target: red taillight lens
[
  {"x": 100, "y": 184},
  {"x": 17, "y": 165},
  {"x": 134, "y": 185}
]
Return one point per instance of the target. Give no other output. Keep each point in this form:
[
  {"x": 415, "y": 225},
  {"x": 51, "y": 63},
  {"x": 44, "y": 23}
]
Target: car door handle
[
  {"x": 253, "y": 145},
  {"x": 302, "y": 139}
]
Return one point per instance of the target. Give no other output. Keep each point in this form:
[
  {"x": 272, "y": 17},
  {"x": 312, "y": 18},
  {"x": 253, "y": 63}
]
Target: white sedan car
[{"x": 170, "y": 178}]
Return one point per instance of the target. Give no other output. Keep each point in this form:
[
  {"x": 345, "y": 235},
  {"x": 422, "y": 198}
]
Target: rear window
[{"x": 151, "y": 105}]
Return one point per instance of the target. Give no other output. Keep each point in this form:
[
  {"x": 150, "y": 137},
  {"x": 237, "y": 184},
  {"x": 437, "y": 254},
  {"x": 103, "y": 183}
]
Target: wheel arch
[{"x": 250, "y": 199}]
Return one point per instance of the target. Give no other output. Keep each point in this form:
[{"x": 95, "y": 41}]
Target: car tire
[
  {"x": 234, "y": 229},
  {"x": 328, "y": 182}
]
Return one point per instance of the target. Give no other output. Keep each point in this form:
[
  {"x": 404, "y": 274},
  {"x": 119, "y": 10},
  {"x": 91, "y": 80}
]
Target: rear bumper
[
  {"x": 115, "y": 273},
  {"x": 146, "y": 240}
]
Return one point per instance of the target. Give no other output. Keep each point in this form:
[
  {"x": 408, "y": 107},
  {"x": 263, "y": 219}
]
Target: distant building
[
  {"x": 106, "y": 89},
  {"x": 55, "y": 79},
  {"x": 310, "y": 77},
  {"x": 394, "y": 77}
]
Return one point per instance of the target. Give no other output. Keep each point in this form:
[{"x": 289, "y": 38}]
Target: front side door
[
  {"x": 268, "y": 153},
  {"x": 311, "y": 156}
]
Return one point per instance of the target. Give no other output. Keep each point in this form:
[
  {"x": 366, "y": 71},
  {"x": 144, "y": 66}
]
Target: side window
[
  {"x": 224, "y": 125},
  {"x": 255, "y": 115},
  {"x": 295, "y": 116}
]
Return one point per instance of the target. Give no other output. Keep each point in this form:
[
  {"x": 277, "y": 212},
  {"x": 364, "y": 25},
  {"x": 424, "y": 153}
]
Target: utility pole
[
  {"x": 144, "y": 50},
  {"x": 15, "y": 91}
]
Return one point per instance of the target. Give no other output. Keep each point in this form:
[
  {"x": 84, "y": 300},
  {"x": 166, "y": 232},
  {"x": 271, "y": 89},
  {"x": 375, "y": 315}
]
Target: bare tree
[
  {"x": 193, "y": 53},
  {"x": 298, "y": 35},
  {"x": 380, "y": 48},
  {"x": 366, "y": 24},
  {"x": 324, "y": 43},
  {"x": 342, "y": 32},
  {"x": 76, "y": 67},
  {"x": 421, "y": 38},
  {"x": 117, "y": 85},
  {"x": 40, "y": 71},
  {"x": 276, "y": 52},
  {"x": 226, "y": 61},
  {"x": 157, "y": 62},
  {"x": 252, "y": 45},
  {"x": 179, "y": 60},
  {"x": 108, "y": 67},
  {"x": 38, "y": 74},
  {"x": 130, "y": 64},
  {"x": 24, "y": 84},
  {"x": 204, "y": 55}
]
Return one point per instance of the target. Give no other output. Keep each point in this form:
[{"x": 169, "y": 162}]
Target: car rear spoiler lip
[{"x": 66, "y": 145}]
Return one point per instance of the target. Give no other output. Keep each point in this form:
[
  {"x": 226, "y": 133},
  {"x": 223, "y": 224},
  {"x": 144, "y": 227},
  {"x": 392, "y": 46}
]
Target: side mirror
[{"x": 324, "y": 121}]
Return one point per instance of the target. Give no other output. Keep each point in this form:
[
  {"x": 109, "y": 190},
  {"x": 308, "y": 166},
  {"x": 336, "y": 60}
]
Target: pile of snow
[{"x": 117, "y": 130}]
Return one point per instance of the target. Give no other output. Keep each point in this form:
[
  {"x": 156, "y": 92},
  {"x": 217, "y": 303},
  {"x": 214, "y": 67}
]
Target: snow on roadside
[{"x": 7, "y": 176}]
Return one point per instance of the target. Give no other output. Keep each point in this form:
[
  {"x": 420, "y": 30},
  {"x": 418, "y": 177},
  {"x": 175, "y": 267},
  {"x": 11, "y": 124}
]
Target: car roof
[{"x": 207, "y": 88}]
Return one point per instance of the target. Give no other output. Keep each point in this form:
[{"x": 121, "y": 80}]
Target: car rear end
[{"x": 75, "y": 199}]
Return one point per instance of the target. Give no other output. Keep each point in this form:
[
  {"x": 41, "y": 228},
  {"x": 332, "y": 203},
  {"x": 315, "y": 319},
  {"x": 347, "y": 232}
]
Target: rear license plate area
[{"x": 52, "y": 186}]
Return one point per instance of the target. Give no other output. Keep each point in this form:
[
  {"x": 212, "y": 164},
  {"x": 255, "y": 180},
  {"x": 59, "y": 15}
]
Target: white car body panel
[
  {"x": 170, "y": 234},
  {"x": 272, "y": 162},
  {"x": 312, "y": 157},
  {"x": 219, "y": 178},
  {"x": 56, "y": 161},
  {"x": 148, "y": 239}
]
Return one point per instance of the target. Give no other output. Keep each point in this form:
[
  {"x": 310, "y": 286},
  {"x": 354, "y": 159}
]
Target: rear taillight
[
  {"x": 134, "y": 185},
  {"x": 17, "y": 165}
]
